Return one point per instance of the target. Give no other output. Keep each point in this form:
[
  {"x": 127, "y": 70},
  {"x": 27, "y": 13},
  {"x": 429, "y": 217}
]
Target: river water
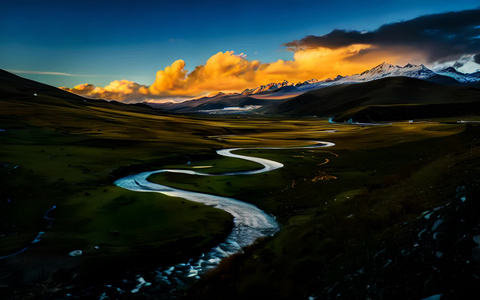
[{"x": 250, "y": 222}]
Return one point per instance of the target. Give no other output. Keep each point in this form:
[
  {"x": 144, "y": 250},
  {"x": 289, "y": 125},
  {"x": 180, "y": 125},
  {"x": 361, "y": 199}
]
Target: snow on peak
[
  {"x": 459, "y": 76},
  {"x": 449, "y": 70},
  {"x": 381, "y": 71},
  {"x": 264, "y": 88},
  {"x": 389, "y": 70}
]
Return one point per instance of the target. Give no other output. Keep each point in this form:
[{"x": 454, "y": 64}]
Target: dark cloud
[
  {"x": 476, "y": 58},
  {"x": 458, "y": 64},
  {"x": 438, "y": 37}
]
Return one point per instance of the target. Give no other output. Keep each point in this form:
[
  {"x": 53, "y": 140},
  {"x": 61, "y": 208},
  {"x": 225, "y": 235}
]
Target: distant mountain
[
  {"x": 381, "y": 71},
  {"x": 386, "y": 99},
  {"x": 266, "y": 88},
  {"x": 459, "y": 76},
  {"x": 277, "y": 92},
  {"x": 387, "y": 70},
  {"x": 232, "y": 103}
]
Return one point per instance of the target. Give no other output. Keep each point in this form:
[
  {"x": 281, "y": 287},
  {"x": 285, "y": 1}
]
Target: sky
[{"x": 169, "y": 50}]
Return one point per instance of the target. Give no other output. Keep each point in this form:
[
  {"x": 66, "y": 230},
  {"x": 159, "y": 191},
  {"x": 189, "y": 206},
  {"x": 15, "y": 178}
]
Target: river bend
[{"x": 250, "y": 222}]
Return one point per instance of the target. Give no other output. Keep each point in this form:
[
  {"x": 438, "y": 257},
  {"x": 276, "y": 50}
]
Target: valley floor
[{"x": 353, "y": 217}]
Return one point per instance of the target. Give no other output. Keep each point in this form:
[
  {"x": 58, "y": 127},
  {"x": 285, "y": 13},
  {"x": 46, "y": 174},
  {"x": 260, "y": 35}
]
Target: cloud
[
  {"x": 120, "y": 90},
  {"x": 47, "y": 73},
  {"x": 446, "y": 39},
  {"x": 434, "y": 38},
  {"x": 224, "y": 71},
  {"x": 228, "y": 72},
  {"x": 476, "y": 58}
]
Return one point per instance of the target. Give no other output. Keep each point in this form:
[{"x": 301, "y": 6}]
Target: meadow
[{"x": 337, "y": 206}]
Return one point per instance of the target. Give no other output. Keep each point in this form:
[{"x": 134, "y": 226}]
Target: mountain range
[
  {"x": 384, "y": 93},
  {"x": 385, "y": 99},
  {"x": 381, "y": 71},
  {"x": 254, "y": 99}
]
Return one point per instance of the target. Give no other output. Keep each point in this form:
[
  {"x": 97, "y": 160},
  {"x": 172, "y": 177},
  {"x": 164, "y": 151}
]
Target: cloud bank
[
  {"x": 434, "y": 38},
  {"x": 228, "y": 72},
  {"x": 449, "y": 38}
]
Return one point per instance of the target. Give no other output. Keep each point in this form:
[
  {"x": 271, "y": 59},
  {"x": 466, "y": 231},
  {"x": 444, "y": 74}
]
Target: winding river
[{"x": 250, "y": 222}]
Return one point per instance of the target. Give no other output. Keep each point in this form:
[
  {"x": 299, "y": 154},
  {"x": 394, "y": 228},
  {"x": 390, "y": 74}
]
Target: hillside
[
  {"x": 13, "y": 85},
  {"x": 362, "y": 101},
  {"x": 16, "y": 88},
  {"x": 205, "y": 104},
  {"x": 338, "y": 207},
  {"x": 274, "y": 93}
]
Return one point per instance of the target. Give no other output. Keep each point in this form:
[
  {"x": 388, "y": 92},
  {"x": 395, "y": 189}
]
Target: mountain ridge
[
  {"x": 380, "y": 71},
  {"x": 14, "y": 87},
  {"x": 277, "y": 92},
  {"x": 385, "y": 99}
]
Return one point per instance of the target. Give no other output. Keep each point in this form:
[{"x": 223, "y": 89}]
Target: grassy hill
[
  {"x": 210, "y": 103},
  {"x": 59, "y": 149},
  {"x": 338, "y": 207}
]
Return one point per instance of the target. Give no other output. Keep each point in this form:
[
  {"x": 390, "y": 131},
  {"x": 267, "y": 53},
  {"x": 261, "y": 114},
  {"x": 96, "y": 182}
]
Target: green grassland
[
  {"x": 66, "y": 154},
  {"x": 381, "y": 178},
  {"x": 347, "y": 163},
  {"x": 334, "y": 204}
]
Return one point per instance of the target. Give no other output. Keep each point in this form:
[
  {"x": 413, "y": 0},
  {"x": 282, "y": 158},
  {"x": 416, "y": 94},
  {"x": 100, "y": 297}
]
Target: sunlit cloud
[
  {"x": 319, "y": 63},
  {"x": 224, "y": 71},
  {"x": 437, "y": 40},
  {"x": 230, "y": 72},
  {"x": 433, "y": 38},
  {"x": 119, "y": 90}
]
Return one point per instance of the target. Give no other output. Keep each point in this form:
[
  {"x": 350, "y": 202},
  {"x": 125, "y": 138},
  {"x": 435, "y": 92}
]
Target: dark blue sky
[{"x": 108, "y": 40}]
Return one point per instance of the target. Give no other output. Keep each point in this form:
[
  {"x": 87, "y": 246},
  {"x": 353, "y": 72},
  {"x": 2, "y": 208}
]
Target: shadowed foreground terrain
[{"x": 389, "y": 212}]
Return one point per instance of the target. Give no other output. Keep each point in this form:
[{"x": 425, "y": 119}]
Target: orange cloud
[
  {"x": 120, "y": 90},
  {"x": 170, "y": 80},
  {"x": 319, "y": 63},
  {"x": 228, "y": 72},
  {"x": 222, "y": 72}
]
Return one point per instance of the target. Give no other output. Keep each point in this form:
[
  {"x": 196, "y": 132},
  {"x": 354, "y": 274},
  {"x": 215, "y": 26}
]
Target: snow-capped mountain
[
  {"x": 459, "y": 76},
  {"x": 283, "y": 90},
  {"x": 383, "y": 70},
  {"x": 388, "y": 70},
  {"x": 266, "y": 88},
  {"x": 307, "y": 82},
  {"x": 380, "y": 71}
]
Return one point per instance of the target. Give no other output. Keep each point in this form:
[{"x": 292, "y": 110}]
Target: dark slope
[
  {"x": 208, "y": 103},
  {"x": 368, "y": 101},
  {"x": 384, "y": 113},
  {"x": 13, "y": 87},
  {"x": 445, "y": 80}
]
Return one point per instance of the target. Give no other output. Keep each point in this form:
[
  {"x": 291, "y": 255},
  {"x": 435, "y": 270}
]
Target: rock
[
  {"x": 75, "y": 253},
  {"x": 437, "y": 224},
  {"x": 476, "y": 239},
  {"x": 476, "y": 254},
  {"x": 434, "y": 297},
  {"x": 141, "y": 283}
]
